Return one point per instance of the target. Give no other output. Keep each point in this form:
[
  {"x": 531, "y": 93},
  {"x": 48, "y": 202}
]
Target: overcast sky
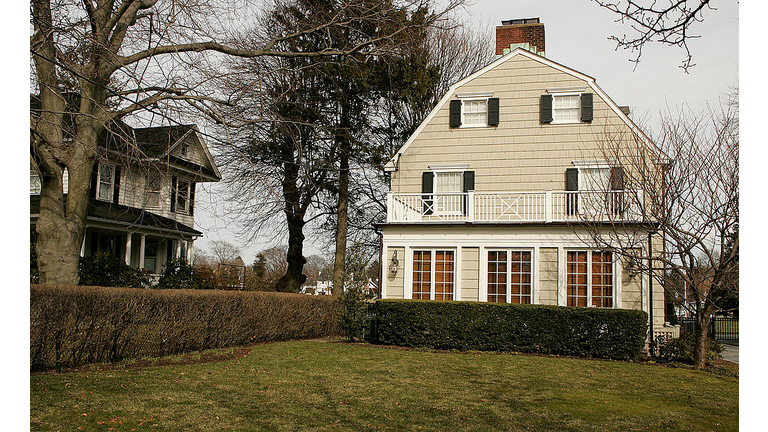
[{"x": 577, "y": 34}]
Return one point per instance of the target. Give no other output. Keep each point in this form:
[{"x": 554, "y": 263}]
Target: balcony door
[{"x": 448, "y": 189}]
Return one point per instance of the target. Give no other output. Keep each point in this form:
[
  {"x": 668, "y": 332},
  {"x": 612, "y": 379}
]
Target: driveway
[{"x": 730, "y": 351}]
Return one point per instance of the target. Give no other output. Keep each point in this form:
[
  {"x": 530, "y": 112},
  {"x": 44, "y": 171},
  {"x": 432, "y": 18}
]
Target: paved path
[{"x": 731, "y": 351}]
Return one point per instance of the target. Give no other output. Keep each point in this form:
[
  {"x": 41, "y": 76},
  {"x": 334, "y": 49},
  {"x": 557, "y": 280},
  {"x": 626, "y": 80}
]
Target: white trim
[
  {"x": 408, "y": 289},
  {"x": 593, "y": 164},
  {"x": 562, "y": 289},
  {"x": 571, "y": 90},
  {"x": 475, "y": 95},
  {"x": 449, "y": 167},
  {"x": 464, "y": 124}
]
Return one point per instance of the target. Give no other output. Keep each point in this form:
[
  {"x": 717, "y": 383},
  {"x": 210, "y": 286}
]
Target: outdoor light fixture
[{"x": 393, "y": 263}]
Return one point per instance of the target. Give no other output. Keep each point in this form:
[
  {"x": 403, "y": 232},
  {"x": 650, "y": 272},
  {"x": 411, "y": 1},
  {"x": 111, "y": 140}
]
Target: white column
[
  {"x": 128, "y": 248},
  {"x": 178, "y": 249},
  {"x": 189, "y": 251},
  {"x": 142, "y": 246},
  {"x": 82, "y": 247}
]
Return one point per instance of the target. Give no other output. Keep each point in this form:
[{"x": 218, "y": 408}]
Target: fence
[{"x": 721, "y": 328}]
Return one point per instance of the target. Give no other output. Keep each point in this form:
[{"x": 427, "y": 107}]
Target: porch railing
[{"x": 546, "y": 206}]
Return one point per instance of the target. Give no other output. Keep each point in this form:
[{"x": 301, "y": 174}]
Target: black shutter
[
  {"x": 571, "y": 184},
  {"x": 173, "y": 194},
  {"x": 455, "y": 113},
  {"x": 617, "y": 178},
  {"x": 95, "y": 180},
  {"x": 545, "y": 106},
  {"x": 192, "y": 198},
  {"x": 586, "y": 107},
  {"x": 426, "y": 189},
  {"x": 493, "y": 112},
  {"x": 116, "y": 191},
  {"x": 469, "y": 185}
]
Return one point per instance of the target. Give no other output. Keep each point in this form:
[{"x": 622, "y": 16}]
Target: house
[
  {"x": 142, "y": 204},
  {"x": 489, "y": 194}
]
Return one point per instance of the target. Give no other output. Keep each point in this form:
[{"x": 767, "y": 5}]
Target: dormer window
[
  {"x": 565, "y": 106},
  {"x": 184, "y": 150},
  {"x": 474, "y": 111}
]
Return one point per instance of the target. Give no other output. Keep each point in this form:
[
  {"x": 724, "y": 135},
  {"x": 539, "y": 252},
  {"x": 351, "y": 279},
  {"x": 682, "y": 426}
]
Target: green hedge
[
  {"x": 72, "y": 326},
  {"x": 586, "y": 332}
]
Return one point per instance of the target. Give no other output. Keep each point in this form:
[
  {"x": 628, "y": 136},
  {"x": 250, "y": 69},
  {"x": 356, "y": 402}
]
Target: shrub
[
  {"x": 108, "y": 270},
  {"x": 682, "y": 348},
  {"x": 588, "y": 332},
  {"x": 72, "y": 326},
  {"x": 178, "y": 274}
]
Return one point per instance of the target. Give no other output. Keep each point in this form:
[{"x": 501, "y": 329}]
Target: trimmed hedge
[
  {"x": 72, "y": 326},
  {"x": 585, "y": 332}
]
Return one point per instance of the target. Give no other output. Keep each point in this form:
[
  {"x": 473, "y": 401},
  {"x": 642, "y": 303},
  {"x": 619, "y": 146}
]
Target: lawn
[{"x": 314, "y": 386}]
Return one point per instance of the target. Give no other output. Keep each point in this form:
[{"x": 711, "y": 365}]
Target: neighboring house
[
  {"x": 142, "y": 205},
  {"x": 488, "y": 193}
]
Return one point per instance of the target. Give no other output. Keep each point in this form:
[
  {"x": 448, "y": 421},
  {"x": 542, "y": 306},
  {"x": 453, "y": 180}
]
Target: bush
[
  {"x": 587, "y": 332},
  {"x": 682, "y": 348},
  {"x": 178, "y": 274},
  {"x": 108, "y": 270},
  {"x": 72, "y": 326}
]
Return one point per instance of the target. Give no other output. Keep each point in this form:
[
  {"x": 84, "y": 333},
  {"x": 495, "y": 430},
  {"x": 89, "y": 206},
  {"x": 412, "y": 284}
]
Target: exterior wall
[
  {"x": 520, "y": 154},
  {"x": 548, "y": 276},
  {"x": 549, "y": 244},
  {"x": 470, "y": 273},
  {"x": 395, "y": 288}
]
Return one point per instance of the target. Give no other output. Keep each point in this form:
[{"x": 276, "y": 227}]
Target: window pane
[
  {"x": 576, "y": 278},
  {"x": 520, "y": 277},
  {"x": 602, "y": 279},
  {"x": 443, "y": 275},
  {"x": 422, "y": 262},
  {"x": 475, "y": 112}
]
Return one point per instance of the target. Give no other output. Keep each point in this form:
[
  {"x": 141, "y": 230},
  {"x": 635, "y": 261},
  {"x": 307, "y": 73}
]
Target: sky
[{"x": 577, "y": 34}]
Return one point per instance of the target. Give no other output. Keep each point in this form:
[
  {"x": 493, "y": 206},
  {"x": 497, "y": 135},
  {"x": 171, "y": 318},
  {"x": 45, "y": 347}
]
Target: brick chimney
[{"x": 526, "y": 33}]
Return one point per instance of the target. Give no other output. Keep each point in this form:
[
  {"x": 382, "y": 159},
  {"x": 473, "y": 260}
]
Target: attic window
[
  {"x": 184, "y": 150},
  {"x": 474, "y": 111}
]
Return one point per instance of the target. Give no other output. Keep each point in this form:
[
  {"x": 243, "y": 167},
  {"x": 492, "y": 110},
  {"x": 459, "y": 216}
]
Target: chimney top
[
  {"x": 526, "y": 33},
  {"x": 521, "y": 21}
]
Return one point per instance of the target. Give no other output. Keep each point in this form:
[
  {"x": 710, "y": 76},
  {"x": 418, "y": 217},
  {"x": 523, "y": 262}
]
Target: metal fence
[{"x": 720, "y": 328}]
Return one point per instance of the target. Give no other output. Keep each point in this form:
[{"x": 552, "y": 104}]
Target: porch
[{"x": 515, "y": 207}]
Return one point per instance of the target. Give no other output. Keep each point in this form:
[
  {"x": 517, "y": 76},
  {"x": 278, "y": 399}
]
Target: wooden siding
[
  {"x": 520, "y": 154},
  {"x": 470, "y": 274},
  {"x": 395, "y": 289}
]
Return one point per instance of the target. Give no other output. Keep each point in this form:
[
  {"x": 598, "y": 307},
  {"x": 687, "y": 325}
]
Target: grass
[{"x": 317, "y": 386}]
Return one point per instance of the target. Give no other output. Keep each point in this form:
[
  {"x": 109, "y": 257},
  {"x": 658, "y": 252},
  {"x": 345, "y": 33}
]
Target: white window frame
[
  {"x": 615, "y": 276},
  {"x": 183, "y": 209},
  {"x": 473, "y": 97},
  {"x": 153, "y": 192},
  {"x": 433, "y": 254},
  {"x": 111, "y": 182},
  {"x": 555, "y": 110},
  {"x": 438, "y": 169},
  {"x": 509, "y": 251}
]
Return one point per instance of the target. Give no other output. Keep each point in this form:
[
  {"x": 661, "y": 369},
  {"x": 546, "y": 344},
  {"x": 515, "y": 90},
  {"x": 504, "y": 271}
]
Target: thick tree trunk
[
  {"x": 61, "y": 225},
  {"x": 293, "y": 278},
  {"x": 703, "y": 320}
]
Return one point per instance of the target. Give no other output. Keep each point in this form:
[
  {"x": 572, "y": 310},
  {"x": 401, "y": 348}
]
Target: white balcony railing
[{"x": 511, "y": 207}]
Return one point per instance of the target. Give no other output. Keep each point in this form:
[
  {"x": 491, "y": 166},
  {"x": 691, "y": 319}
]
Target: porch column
[
  {"x": 82, "y": 247},
  {"x": 189, "y": 251},
  {"x": 141, "y": 250},
  {"x": 177, "y": 255},
  {"x": 128, "y": 248}
]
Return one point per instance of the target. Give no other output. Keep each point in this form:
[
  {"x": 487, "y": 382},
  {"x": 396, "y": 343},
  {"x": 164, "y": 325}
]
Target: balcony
[{"x": 514, "y": 207}]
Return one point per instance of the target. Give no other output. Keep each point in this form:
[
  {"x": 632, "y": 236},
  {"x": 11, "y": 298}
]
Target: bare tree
[
  {"x": 675, "y": 210},
  {"x": 94, "y": 62},
  {"x": 665, "y": 22}
]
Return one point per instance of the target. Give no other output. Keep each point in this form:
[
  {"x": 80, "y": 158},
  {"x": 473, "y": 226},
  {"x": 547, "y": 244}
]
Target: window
[
  {"x": 433, "y": 275},
  {"x": 152, "y": 186},
  {"x": 509, "y": 277},
  {"x": 475, "y": 112},
  {"x": 589, "y": 279},
  {"x": 565, "y": 108},
  {"x": 34, "y": 180},
  {"x": 106, "y": 183},
  {"x": 448, "y": 193},
  {"x": 182, "y": 196},
  {"x": 184, "y": 150}
]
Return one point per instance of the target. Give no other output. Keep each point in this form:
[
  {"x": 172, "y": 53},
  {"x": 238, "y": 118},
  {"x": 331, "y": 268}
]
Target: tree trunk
[
  {"x": 703, "y": 320},
  {"x": 341, "y": 222},
  {"x": 294, "y": 276},
  {"x": 61, "y": 225}
]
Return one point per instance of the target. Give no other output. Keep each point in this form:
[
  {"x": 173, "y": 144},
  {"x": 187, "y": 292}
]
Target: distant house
[
  {"x": 142, "y": 205},
  {"x": 488, "y": 195}
]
